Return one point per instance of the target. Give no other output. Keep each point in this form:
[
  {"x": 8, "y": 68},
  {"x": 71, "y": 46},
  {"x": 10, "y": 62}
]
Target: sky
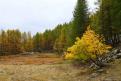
[{"x": 36, "y": 15}]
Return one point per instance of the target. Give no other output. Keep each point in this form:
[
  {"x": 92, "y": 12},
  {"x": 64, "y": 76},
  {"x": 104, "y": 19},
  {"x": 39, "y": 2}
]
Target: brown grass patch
[{"x": 42, "y": 58}]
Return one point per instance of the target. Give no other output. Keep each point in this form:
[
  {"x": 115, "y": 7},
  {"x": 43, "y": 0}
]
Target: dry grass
[
  {"x": 56, "y": 72},
  {"x": 50, "y": 68},
  {"x": 44, "y": 58},
  {"x": 38, "y": 67}
]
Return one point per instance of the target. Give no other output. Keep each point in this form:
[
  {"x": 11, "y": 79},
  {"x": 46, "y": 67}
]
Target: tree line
[
  {"x": 15, "y": 41},
  {"x": 105, "y": 21}
]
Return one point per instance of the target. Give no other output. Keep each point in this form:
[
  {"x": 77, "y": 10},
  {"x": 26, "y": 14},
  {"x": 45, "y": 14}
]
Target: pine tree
[
  {"x": 36, "y": 41},
  {"x": 60, "y": 43},
  {"x": 110, "y": 21},
  {"x": 80, "y": 20},
  {"x": 3, "y": 42},
  {"x": 29, "y": 43},
  {"x": 105, "y": 19},
  {"x": 24, "y": 39},
  {"x": 95, "y": 21}
]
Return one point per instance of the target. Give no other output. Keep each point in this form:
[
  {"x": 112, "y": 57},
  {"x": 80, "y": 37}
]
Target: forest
[
  {"x": 104, "y": 21},
  {"x": 91, "y": 39}
]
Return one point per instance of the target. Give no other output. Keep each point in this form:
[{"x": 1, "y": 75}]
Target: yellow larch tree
[{"x": 90, "y": 46}]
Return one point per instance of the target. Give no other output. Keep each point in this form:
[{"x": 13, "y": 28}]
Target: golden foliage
[{"x": 89, "y": 46}]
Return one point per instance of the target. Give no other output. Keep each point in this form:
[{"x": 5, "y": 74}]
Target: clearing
[{"x": 50, "y": 67}]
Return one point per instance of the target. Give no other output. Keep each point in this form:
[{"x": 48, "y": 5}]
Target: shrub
[{"x": 90, "y": 47}]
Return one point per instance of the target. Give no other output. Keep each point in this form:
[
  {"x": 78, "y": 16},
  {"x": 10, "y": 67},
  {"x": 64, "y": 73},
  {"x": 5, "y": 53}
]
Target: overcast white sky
[{"x": 36, "y": 15}]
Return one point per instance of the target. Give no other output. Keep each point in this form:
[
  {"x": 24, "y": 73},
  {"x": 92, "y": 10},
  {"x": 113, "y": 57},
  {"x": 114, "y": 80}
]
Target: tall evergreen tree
[
  {"x": 95, "y": 21},
  {"x": 36, "y": 42},
  {"x": 80, "y": 20},
  {"x": 105, "y": 19},
  {"x": 3, "y": 46},
  {"x": 116, "y": 20},
  {"x": 110, "y": 16},
  {"x": 61, "y": 41}
]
